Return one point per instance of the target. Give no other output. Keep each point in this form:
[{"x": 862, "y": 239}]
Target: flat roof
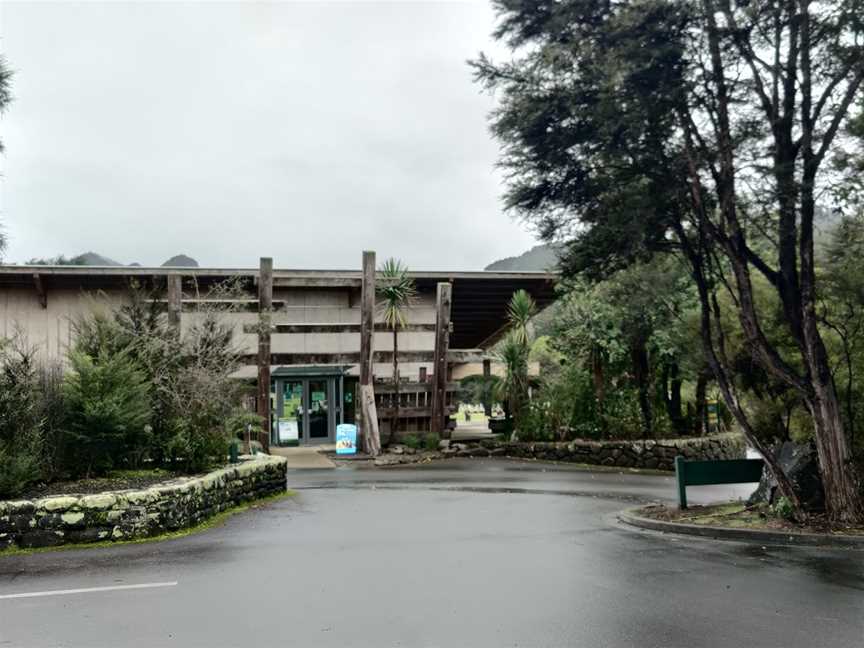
[{"x": 478, "y": 311}]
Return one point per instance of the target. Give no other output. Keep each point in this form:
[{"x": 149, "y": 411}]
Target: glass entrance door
[
  {"x": 306, "y": 410},
  {"x": 290, "y": 410},
  {"x": 319, "y": 410}
]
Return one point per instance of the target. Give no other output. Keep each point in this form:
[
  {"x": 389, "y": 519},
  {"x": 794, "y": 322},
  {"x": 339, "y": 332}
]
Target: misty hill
[
  {"x": 538, "y": 258},
  {"x": 180, "y": 261},
  {"x": 86, "y": 259},
  {"x": 94, "y": 259}
]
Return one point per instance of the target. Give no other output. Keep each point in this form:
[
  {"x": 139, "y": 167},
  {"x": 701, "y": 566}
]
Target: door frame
[{"x": 334, "y": 381}]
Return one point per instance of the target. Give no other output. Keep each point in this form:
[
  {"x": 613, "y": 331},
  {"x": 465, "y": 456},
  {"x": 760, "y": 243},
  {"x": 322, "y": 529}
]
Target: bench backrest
[{"x": 703, "y": 473}]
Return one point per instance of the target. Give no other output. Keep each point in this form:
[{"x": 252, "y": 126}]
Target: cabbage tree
[{"x": 396, "y": 293}]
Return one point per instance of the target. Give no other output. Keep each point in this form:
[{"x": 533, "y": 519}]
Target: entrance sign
[
  {"x": 288, "y": 430},
  {"x": 346, "y": 438}
]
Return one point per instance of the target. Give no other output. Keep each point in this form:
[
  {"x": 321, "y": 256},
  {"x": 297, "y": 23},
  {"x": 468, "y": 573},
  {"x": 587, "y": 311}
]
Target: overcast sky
[{"x": 303, "y": 131}]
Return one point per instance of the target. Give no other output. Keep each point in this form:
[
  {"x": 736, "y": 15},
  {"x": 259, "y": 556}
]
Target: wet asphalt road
[{"x": 463, "y": 553}]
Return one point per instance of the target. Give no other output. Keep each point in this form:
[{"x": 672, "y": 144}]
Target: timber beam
[
  {"x": 301, "y": 328},
  {"x": 443, "y": 301},
  {"x": 41, "y": 294},
  {"x": 265, "y": 306},
  {"x": 457, "y": 356}
]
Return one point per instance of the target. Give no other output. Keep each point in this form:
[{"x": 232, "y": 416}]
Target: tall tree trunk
[
  {"x": 696, "y": 256},
  {"x": 672, "y": 397},
  {"x": 701, "y": 418},
  {"x": 639, "y": 358},
  {"x": 597, "y": 375},
  {"x": 839, "y": 477},
  {"x": 797, "y": 289}
]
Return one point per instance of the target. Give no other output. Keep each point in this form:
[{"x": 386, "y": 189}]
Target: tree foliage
[
  {"x": 707, "y": 129},
  {"x": 5, "y": 100},
  {"x": 22, "y": 423},
  {"x": 108, "y": 414}
]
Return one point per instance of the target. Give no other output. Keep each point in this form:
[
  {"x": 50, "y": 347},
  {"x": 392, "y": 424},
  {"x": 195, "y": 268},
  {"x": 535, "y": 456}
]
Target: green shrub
[
  {"x": 21, "y": 421},
  {"x": 53, "y": 412},
  {"x": 411, "y": 440},
  {"x": 108, "y": 404},
  {"x": 204, "y": 395},
  {"x": 430, "y": 441},
  {"x": 21, "y": 463},
  {"x": 783, "y": 508}
]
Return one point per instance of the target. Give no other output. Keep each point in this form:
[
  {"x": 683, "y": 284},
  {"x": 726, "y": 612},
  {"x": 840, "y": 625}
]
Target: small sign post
[{"x": 346, "y": 438}]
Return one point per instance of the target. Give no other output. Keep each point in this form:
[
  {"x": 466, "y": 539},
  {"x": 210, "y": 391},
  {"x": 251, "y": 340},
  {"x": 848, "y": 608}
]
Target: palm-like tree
[
  {"x": 513, "y": 353},
  {"x": 396, "y": 292},
  {"x": 520, "y": 310}
]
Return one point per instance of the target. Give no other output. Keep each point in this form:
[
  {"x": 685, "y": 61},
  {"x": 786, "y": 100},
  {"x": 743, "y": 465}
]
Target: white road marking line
[{"x": 87, "y": 590}]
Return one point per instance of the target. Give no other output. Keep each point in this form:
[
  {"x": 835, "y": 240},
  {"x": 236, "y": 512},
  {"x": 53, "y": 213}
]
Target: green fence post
[{"x": 680, "y": 476}]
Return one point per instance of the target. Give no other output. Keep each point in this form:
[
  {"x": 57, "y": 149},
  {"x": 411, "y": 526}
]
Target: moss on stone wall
[
  {"x": 654, "y": 454},
  {"x": 123, "y": 515}
]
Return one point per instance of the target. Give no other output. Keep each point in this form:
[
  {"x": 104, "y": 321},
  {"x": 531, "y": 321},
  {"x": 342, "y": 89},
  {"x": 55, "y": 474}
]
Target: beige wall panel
[
  {"x": 349, "y": 342},
  {"x": 48, "y": 329},
  {"x": 318, "y": 342},
  {"x": 288, "y": 343}
]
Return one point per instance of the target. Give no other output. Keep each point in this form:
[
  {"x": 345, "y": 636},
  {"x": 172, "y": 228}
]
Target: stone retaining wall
[
  {"x": 657, "y": 454},
  {"x": 124, "y": 515}
]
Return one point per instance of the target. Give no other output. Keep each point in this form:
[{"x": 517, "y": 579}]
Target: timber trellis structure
[{"x": 422, "y": 405}]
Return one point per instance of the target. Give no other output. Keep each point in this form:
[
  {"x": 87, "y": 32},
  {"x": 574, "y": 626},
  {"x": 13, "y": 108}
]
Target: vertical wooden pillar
[
  {"x": 369, "y": 413},
  {"x": 487, "y": 396},
  {"x": 175, "y": 300},
  {"x": 265, "y": 309},
  {"x": 41, "y": 293},
  {"x": 443, "y": 299}
]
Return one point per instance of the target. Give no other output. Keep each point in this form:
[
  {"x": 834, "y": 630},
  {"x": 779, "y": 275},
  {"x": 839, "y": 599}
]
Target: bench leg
[{"x": 682, "y": 483}]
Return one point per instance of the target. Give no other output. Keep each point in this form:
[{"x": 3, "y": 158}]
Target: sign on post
[
  {"x": 713, "y": 415},
  {"x": 346, "y": 438}
]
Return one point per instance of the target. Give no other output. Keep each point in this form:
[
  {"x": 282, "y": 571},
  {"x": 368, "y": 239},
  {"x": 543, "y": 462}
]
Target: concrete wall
[{"x": 125, "y": 515}]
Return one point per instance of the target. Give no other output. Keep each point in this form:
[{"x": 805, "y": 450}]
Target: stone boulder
[{"x": 801, "y": 463}]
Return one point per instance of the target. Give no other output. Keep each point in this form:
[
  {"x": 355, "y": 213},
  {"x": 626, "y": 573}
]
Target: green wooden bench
[{"x": 704, "y": 473}]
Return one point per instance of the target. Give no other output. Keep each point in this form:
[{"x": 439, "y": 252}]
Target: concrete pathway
[{"x": 303, "y": 457}]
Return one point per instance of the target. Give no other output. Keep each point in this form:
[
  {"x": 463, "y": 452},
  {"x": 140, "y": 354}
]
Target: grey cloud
[{"x": 228, "y": 131}]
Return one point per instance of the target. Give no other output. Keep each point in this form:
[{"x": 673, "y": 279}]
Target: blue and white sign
[{"x": 346, "y": 438}]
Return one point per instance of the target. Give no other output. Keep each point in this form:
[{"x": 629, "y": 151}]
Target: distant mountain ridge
[
  {"x": 94, "y": 259},
  {"x": 180, "y": 261},
  {"x": 540, "y": 258}
]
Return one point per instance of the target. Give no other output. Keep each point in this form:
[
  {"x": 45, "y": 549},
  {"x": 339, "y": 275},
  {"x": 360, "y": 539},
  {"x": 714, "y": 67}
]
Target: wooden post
[
  {"x": 41, "y": 293},
  {"x": 369, "y": 413},
  {"x": 443, "y": 299},
  {"x": 487, "y": 396},
  {"x": 175, "y": 300},
  {"x": 265, "y": 308}
]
